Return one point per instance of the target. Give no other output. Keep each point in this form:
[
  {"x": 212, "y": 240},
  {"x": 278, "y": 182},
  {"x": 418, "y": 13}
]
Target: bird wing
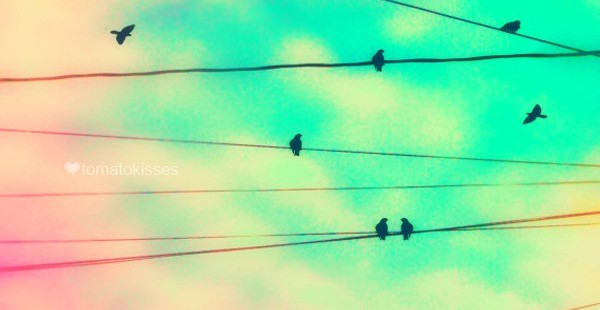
[
  {"x": 127, "y": 30},
  {"x": 120, "y": 38},
  {"x": 530, "y": 118},
  {"x": 537, "y": 110},
  {"x": 510, "y": 27},
  {"x": 381, "y": 228}
]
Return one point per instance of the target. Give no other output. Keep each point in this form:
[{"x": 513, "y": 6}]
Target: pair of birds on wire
[{"x": 406, "y": 229}]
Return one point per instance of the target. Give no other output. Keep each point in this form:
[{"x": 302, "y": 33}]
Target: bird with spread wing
[
  {"x": 535, "y": 113},
  {"x": 123, "y": 34}
]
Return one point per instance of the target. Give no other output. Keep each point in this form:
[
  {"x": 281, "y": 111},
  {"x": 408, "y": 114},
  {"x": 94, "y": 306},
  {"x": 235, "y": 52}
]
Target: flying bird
[
  {"x": 511, "y": 27},
  {"x": 406, "y": 229},
  {"x": 382, "y": 228},
  {"x": 124, "y": 33},
  {"x": 378, "y": 60},
  {"x": 296, "y": 145},
  {"x": 535, "y": 113}
]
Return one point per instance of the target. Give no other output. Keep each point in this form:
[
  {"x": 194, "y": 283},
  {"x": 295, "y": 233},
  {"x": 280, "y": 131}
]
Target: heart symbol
[{"x": 72, "y": 167}]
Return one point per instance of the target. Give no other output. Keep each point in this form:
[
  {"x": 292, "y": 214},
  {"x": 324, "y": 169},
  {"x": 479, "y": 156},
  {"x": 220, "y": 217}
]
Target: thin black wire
[
  {"x": 290, "y": 66},
  {"x": 533, "y": 227},
  {"x": 264, "y": 146},
  {"x": 299, "y": 189},
  {"x": 586, "y": 306},
  {"x": 483, "y": 25},
  {"x": 184, "y": 238},
  {"x": 83, "y": 263},
  {"x": 42, "y": 241}
]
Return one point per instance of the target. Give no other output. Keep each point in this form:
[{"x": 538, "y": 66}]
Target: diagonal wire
[
  {"x": 83, "y": 263},
  {"x": 532, "y": 227},
  {"x": 266, "y": 146},
  {"x": 41, "y": 241},
  {"x": 298, "y": 189},
  {"x": 586, "y": 306},
  {"x": 184, "y": 238},
  {"x": 482, "y": 25}
]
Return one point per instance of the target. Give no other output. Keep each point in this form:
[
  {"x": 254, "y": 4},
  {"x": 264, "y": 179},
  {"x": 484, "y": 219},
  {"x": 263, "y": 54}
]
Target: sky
[{"x": 470, "y": 109}]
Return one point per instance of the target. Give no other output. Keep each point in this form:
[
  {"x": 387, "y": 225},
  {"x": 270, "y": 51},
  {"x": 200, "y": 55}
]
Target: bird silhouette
[
  {"x": 535, "y": 113},
  {"x": 511, "y": 27},
  {"x": 296, "y": 145},
  {"x": 406, "y": 228},
  {"x": 382, "y": 228},
  {"x": 124, "y": 33},
  {"x": 378, "y": 60}
]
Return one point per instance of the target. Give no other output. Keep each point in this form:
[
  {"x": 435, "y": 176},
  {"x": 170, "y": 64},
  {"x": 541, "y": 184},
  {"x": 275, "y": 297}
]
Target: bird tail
[
  {"x": 543, "y": 116},
  {"x": 114, "y": 32}
]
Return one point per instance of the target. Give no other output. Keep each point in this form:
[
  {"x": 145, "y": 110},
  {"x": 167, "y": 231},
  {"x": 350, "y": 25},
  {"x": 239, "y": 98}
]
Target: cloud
[
  {"x": 454, "y": 289},
  {"x": 408, "y": 26}
]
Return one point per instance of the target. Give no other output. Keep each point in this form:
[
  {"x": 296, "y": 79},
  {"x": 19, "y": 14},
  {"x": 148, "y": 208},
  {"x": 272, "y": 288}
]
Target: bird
[
  {"x": 382, "y": 228},
  {"x": 124, "y": 33},
  {"x": 511, "y": 27},
  {"x": 535, "y": 113},
  {"x": 296, "y": 145},
  {"x": 378, "y": 60},
  {"x": 406, "y": 228}
]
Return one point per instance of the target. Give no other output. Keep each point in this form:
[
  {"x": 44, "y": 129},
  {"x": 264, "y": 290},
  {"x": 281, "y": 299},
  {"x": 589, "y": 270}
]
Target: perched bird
[
  {"x": 382, "y": 228},
  {"x": 296, "y": 145},
  {"x": 406, "y": 229},
  {"x": 535, "y": 113},
  {"x": 511, "y": 27},
  {"x": 124, "y": 33},
  {"x": 378, "y": 60}
]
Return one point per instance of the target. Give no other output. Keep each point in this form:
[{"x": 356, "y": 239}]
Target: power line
[
  {"x": 586, "y": 306},
  {"x": 266, "y": 146},
  {"x": 185, "y": 238},
  {"x": 41, "y": 241},
  {"x": 291, "y": 66},
  {"x": 483, "y": 25},
  {"x": 533, "y": 226},
  {"x": 82, "y": 263},
  {"x": 518, "y": 221},
  {"x": 297, "y": 189}
]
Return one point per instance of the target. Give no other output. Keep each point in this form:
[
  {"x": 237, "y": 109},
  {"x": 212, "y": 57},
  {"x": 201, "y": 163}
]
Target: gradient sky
[{"x": 463, "y": 109}]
